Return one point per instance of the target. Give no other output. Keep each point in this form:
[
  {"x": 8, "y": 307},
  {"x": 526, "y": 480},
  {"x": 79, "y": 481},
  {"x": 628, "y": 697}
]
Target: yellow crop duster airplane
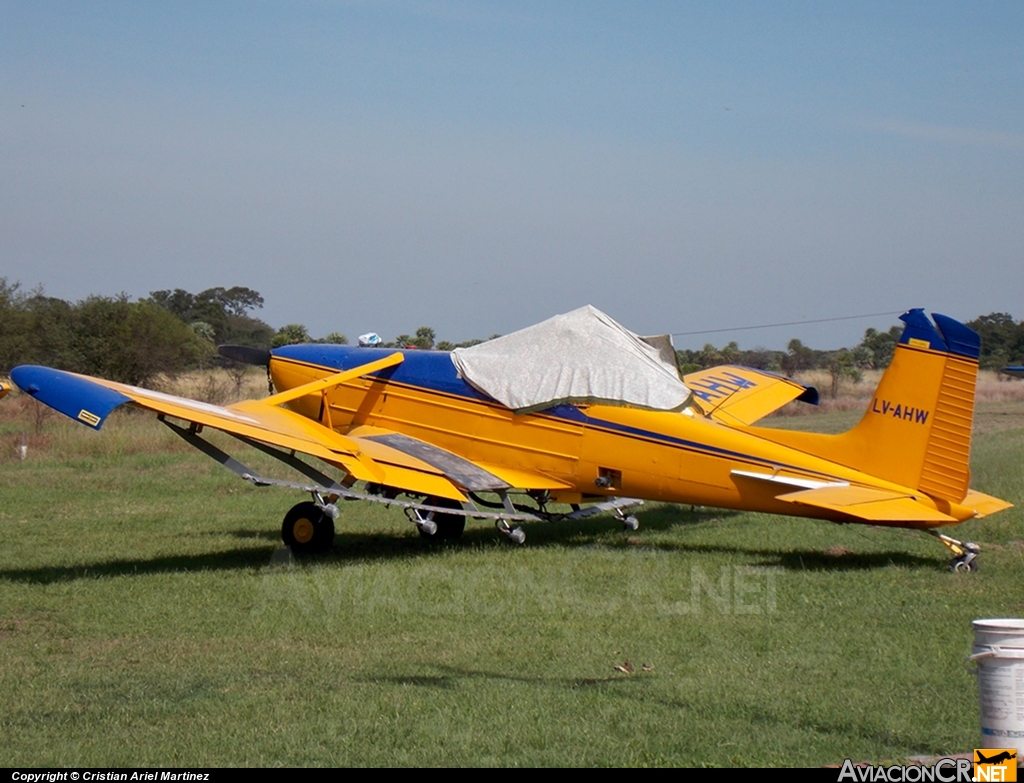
[{"x": 578, "y": 410}]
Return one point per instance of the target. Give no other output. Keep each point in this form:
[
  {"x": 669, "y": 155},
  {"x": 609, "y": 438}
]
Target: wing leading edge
[
  {"x": 91, "y": 400},
  {"x": 366, "y": 453}
]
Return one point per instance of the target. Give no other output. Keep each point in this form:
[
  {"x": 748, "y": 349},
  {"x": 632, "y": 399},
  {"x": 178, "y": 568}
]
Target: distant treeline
[
  {"x": 173, "y": 331},
  {"x": 1002, "y": 343},
  {"x": 113, "y": 337}
]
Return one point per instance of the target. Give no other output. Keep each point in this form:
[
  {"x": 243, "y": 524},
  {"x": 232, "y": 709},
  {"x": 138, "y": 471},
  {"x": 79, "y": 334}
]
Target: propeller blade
[{"x": 245, "y": 354}]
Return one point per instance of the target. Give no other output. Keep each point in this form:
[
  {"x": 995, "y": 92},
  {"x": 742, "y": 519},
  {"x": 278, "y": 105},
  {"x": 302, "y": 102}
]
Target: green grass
[{"x": 142, "y": 622}]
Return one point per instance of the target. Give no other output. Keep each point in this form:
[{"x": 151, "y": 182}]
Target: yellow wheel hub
[{"x": 302, "y": 530}]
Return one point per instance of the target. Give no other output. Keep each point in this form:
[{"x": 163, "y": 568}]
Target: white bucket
[{"x": 999, "y": 653}]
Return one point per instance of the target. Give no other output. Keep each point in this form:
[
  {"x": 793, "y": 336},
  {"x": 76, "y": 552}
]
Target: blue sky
[{"x": 478, "y": 167}]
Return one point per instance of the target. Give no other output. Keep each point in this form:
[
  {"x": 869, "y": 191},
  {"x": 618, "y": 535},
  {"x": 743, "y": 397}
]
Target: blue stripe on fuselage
[
  {"x": 431, "y": 370},
  {"x": 434, "y": 371}
]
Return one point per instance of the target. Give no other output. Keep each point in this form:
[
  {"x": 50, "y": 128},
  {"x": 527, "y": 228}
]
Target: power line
[{"x": 787, "y": 323}]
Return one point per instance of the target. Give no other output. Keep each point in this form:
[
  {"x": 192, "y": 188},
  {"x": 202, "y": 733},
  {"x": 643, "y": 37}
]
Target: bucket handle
[{"x": 992, "y": 652}]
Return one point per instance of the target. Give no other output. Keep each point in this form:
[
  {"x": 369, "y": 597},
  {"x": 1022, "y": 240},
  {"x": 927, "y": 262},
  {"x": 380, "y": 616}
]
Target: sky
[{"x": 478, "y": 167}]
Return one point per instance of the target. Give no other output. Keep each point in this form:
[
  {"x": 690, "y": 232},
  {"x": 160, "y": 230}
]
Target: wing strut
[
  {"x": 325, "y": 384},
  {"x": 295, "y": 463},
  {"x": 191, "y": 436},
  {"x": 325, "y": 486}
]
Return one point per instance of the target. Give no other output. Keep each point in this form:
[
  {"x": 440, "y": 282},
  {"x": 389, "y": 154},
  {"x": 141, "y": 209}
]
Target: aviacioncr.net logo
[{"x": 943, "y": 771}]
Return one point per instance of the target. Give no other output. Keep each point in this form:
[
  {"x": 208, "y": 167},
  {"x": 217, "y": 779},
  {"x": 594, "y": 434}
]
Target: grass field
[{"x": 145, "y": 619}]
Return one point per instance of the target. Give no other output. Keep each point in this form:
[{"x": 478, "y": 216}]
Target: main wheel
[
  {"x": 307, "y": 530},
  {"x": 449, "y": 526}
]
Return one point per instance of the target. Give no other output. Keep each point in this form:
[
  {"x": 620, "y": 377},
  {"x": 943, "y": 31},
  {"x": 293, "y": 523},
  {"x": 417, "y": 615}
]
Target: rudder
[{"x": 917, "y": 429}]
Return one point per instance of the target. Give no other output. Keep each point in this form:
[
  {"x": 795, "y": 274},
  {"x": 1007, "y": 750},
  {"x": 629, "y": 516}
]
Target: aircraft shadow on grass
[
  {"x": 452, "y": 675},
  {"x": 363, "y": 547},
  {"x": 225, "y": 560}
]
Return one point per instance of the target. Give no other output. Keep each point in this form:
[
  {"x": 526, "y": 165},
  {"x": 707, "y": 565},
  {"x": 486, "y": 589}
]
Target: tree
[
  {"x": 798, "y": 357},
  {"x": 881, "y": 346},
  {"x": 52, "y": 339},
  {"x": 709, "y": 356},
  {"x": 243, "y": 330},
  {"x": 424, "y": 340},
  {"x": 762, "y": 359},
  {"x": 334, "y": 338},
  {"x": 1002, "y": 339},
  {"x": 292, "y": 334},
  {"x": 842, "y": 364},
  {"x": 225, "y": 310},
  {"x": 730, "y": 353},
  {"x": 127, "y": 341},
  {"x": 203, "y": 329},
  {"x": 236, "y": 301},
  {"x": 15, "y": 326}
]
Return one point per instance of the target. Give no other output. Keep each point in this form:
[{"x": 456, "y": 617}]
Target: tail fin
[{"x": 917, "y": 429}]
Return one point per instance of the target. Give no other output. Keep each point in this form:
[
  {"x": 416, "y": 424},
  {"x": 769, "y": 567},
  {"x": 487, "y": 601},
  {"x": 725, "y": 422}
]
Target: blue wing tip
[{"x": 77, "y": 397}]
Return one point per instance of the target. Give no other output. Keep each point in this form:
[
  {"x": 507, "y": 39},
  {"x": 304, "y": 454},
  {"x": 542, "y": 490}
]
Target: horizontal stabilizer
[
  {"x": 737, "y": 395},
  {"x": 983, "y": 504},
  {"x": 869, "y": 505},
  {"x": 788, "y": 481}
]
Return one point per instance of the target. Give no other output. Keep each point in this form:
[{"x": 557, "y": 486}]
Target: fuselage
[{"x": 587, "y": 450}]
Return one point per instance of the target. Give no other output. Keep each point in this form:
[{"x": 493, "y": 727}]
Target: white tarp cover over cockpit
[{"x": 580, "y": 357}]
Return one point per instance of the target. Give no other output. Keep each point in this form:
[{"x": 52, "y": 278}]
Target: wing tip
[{"x": 76, "y": 396}]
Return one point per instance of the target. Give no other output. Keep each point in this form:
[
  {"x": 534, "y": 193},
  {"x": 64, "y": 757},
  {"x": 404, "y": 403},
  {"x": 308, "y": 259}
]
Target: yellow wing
[
  {"x": 741, "y": 395},
  {"x": 90, "y": 400}
]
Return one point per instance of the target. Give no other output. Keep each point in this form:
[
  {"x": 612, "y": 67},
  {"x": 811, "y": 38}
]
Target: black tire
[
  {"x": 307, "y": 530},
  {"x": 449, "y": 526}
]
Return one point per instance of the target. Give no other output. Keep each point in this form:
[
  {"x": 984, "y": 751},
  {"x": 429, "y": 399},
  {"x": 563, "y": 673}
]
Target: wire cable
[{"x": 787, "y": 323}]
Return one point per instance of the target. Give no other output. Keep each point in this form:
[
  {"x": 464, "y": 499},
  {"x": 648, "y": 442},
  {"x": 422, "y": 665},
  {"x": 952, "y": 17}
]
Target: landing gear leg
[{"x": 965, "y": 553}]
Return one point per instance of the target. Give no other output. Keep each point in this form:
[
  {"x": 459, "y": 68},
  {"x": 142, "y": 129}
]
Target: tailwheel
[
  {"x": 446, "y": 527},
  {"x": 965, "y": 554},
  {"x": 307, "y": 529},
  {"x": 964, "y": 564}
]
